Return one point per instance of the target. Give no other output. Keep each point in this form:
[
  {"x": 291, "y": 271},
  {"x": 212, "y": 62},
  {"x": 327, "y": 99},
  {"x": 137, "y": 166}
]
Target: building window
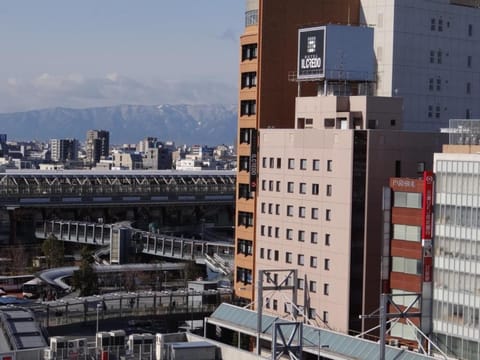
[
  {"x": 407, "y": 199},
  {"x": 437, "y": 112},
  {"x": 244, "y": 247},
  {"x": 301, "y": 211},
  {"x": 279, "y": 163},
  {"x": 469, "y": 88},
  {"x": 262, "y": 253},
  {"x": 326, "y": 289},
  {"x": 439, "y": 56},
  {"x": 314, "y": 237},
  {"x": 301, "y": 235},
  {"x": 248, "y": 107},
  {"x": 439, "y": 84},
  {"x": 289, "y": 210},
  {"x": 467, "y": 114},
  {"x": 430, "y": 84},
  {"x": 275, "y": 304},
  {"x": 315, "y": 189},
  {"x": 249, "y": 80},
  {"x": 433, "y": 24},
  {"x": 312, "y": 313},
  {"x": 303, "y": 164},
  {"x": 300, "y": 284},
  {"x": 303, "y": 188},
  {"x": 290, "y": 187},
  {"x": 288, "y": 257},
  {"x": 249, "y": 52},
  {"x": 313, "y": 286},
  {"x": 269, "y": 231},
  {"x": 245, "y": 218},
  {"x": 264, "y": 162},
  {"x": 328, "y": 215},
  {"x": 264, "y": 185},
  {"x": 269, "y": 254},
  {"x": 277, "y": 209},
  {"x": 329, "y": 190},
  {"x": 277, "y": 232},
  {"x": 432, "y": 57},
  {"x": 272, "y": 162},
  {"x": 270, "y": 208},
  {"x": 313, "y": 261},
  {"x": 470, "y": 30},
  {"x": 244, "y": 191},
  {"x": 430, "y": 111},
  {"x": 245, "y": 135},
  {"x": 315, "y": 213},
  {"x": 329, "y": 165},
  {"x": 289, "y": 234},
  {"x": 277, "y": 186},
  {"x": 327, "y": 239},
  {"x": 244, "y": 275},
  {"x": 244, "y": 164},
  {"x": 267, "y": 303},
  {"x": 291, "y": 163},
  {"x": 262, "y": 230},
  {"x": 325, "y": 317},
  {"x": 316, "y": 165},
  {"x": 406, "y": 232},
  {"x": 300, "y": 259},
  {"x": 326, "y": 264},
  {"x": 275, "y": 255},
  {"x": 263, "y": 206},
  {"x": 469, "y": 61},
  {"x": 406, "y": 265}
]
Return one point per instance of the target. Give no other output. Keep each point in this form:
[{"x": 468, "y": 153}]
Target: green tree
[
  {"x": 85, "y": 278},
  {"x": 54, "y": 251}
]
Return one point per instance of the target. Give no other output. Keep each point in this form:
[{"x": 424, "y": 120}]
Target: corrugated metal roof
[{"x": 345, "y": 346}]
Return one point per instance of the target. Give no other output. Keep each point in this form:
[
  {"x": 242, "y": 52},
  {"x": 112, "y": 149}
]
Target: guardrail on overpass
[
  {"x": 87, "y": 187},
  {"x": 118, "y": 305},
  {"x": 163, "y": 245}
]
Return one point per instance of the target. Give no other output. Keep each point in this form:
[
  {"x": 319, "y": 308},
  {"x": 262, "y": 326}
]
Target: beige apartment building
[{"x": 312, "y": 210}]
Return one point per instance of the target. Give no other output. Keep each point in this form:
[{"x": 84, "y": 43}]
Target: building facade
[
  {"x": 428, "y": 53},
  {"x": 64, "y": 150},
  {"x": 97, "y": 145},
  {"x": 456, "y": 305},
  {"x": 267, "y": 99}
]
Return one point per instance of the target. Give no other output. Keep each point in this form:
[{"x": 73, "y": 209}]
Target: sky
[{"x": 106, "y": 52}]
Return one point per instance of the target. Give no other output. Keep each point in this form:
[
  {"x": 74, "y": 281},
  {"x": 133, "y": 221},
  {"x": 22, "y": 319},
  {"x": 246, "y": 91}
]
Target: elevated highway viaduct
[{"x": 166, "y": 199}]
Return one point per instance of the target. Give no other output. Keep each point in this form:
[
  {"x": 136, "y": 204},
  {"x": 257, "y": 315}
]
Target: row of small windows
[
  {"x": 438, "y": 25},
  {"x": 436, "y": 56},
  {"x": 277, "y": 163},
  {"x": 274, "y": 232},
  {"x": 272, "y": 185},
  {"x": 436, "y": 85},
  {"x": 314, "y": 212},
  {"x": 436, "y": 112},
  {"x": 312, "y": 312},
  {"x": 274, "y": 255}
]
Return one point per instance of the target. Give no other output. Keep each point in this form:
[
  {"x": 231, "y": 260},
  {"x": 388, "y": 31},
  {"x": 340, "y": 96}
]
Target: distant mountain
[{"x": 184, "y": 124}]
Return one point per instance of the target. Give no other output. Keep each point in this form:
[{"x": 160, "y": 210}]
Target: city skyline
[{"x": 100, "y": 54}]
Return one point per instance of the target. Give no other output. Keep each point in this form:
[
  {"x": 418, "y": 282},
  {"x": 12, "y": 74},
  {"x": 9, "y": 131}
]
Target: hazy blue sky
[{"x": 95, "y": 52}]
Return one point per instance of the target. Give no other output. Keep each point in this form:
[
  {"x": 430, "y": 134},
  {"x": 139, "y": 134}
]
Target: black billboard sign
[
  {"x": 311, "y": 53},
  {"x": 253, "y": 161}
]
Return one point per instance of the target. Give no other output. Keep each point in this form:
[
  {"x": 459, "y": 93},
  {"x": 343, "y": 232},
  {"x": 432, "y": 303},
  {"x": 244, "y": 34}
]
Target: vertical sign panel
[
  {"x": 253, "y": 161},
  {"x": 311, "y": 53}
]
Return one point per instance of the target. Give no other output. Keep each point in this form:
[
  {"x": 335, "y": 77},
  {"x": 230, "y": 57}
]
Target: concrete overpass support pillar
[
  {"x": 182, "y": 244},
  {"x": 12, "y": 217}
]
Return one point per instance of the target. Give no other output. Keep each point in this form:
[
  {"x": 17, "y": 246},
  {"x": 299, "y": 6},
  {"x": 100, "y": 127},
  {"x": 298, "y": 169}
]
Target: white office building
[{"x": 456, "y": 306}]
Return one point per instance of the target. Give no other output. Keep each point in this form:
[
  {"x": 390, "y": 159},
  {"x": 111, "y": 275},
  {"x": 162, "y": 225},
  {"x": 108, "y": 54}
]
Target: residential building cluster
[
  {"x": 97, "y": 153},
  {"x": 342, "y": 106}
]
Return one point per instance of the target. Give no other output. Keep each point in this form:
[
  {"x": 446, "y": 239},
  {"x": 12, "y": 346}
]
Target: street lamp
[{"x": 99, "y": 306}]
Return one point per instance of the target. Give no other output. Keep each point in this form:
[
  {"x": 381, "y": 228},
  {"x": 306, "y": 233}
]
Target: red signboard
[
  {"x": 427, "y": 269},
  {"x": 427, "y": 206}
]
